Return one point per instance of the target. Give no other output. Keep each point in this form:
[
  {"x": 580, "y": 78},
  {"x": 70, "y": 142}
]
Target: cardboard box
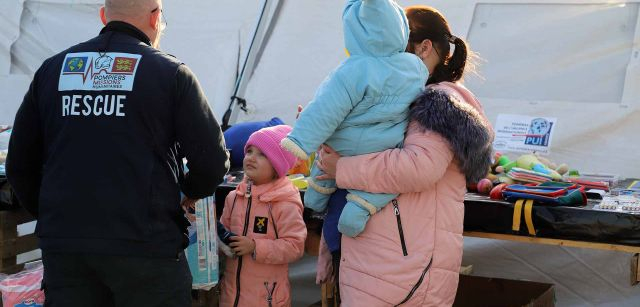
[{"x": 486, "y": 291}]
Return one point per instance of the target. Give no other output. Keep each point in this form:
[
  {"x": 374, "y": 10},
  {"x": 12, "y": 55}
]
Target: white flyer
[{"x": 526, "y": 134}]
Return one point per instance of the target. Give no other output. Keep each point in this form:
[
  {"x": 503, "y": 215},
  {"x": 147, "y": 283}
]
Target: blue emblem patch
[{"x": 75, "y": 64}]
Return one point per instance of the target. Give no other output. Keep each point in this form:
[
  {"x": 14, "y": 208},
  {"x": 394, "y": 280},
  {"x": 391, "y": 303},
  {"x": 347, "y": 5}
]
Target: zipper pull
[
  {"x": 396, "y": 210},
  {"x": 269, "y": 292},
  {"x": 249, "y": 183}
]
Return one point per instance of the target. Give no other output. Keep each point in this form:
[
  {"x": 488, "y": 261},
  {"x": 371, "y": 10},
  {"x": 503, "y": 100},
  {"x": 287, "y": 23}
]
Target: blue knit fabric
[{"x": 332, "y": 236}]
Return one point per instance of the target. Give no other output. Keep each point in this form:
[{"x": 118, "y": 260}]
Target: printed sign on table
[{"x": 520, "y": 133}]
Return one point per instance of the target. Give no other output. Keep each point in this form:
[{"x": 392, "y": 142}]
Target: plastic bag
[
  {"x": 23, "y": 289},
  {"x": 202, "y": 252}
]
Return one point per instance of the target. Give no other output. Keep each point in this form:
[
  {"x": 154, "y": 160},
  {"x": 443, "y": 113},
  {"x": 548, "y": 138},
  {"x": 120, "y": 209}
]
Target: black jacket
[{"x": 97, "y": 146}]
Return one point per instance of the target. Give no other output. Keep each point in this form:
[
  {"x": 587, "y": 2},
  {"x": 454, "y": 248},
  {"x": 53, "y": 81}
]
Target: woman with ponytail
[
  {"x": 431, "y": 40},
  {"x": 410, "y": 252}
]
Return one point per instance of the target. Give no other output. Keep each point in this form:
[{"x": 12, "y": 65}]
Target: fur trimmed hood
[{"x": 468, "y": 132}]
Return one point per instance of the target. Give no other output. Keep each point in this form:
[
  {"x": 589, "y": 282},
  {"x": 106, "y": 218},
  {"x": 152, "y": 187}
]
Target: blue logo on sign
[{"x": 539, "y": 132}]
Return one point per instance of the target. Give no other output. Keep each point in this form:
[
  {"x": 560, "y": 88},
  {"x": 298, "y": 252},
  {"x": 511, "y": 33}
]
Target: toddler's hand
[
  {"x": 241, "y": 245},
  {"x": 353, "y": 219}
]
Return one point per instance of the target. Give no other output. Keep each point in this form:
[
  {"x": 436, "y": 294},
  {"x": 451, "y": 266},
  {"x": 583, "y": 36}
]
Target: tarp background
[{"x": 576, "y": 60}]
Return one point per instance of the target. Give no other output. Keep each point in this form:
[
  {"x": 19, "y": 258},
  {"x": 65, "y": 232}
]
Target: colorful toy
[
  {"x": 484, "y": 186},
  {"x": 492, "y": 177},
  {"x": 496, "y": 159},
  {"x": 562, "y": 169},
  {"x": 504, "y": 164},
  {"x": 496, "y": 192},
  {"x": 548, "y": 163},
  {"x": 531, "y": 162},
  {"x": 525, "y": 175},
  {"x": 507, "y": 180},
  {"x": 529, "y": 168}
]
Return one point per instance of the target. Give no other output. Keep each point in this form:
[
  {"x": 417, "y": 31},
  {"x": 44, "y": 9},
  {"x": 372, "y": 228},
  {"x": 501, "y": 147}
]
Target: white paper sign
[{"x": 520, "y": 133}]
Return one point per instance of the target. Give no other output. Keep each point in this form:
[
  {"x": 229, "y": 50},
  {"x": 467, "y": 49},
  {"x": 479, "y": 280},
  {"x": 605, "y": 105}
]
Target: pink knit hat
[{"x": 268, "y": 141}]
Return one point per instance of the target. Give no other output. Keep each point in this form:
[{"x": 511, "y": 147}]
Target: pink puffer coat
[
  {"x": 275, "y": 223},
  {"x": 410, "y": 251}
]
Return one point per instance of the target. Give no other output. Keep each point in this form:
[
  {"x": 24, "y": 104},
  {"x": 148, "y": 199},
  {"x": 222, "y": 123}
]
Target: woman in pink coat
[{"x": 410, "y": 252}]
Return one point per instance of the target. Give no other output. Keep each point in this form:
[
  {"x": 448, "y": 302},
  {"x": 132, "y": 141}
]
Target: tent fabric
[
  {"x": 584, "y": 80},
  {"x": 539, "y": 68},
  {"x": 206, "y": 35},
  {"x": 577, "y": 61}
]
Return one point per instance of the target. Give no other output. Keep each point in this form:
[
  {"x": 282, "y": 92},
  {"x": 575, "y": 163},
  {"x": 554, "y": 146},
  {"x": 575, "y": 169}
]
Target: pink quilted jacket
[
  {"x": 274, "y": 221},
  {"x": 410, "y": 252}
]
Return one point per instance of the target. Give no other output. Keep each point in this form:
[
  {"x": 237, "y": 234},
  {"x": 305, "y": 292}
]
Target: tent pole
[{"x": 259, "y": 39}]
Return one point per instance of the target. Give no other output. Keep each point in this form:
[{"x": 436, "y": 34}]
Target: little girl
[{"x": 265, "y": 211}]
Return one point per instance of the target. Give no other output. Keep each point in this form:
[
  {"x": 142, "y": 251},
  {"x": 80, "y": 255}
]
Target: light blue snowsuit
[{"x": 362, "y": 106}]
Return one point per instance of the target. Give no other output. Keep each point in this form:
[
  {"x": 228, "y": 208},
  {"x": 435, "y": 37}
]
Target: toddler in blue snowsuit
[{"x": 362, "y": 106}]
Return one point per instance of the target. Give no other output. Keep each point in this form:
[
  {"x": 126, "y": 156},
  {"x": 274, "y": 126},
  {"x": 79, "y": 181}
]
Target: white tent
[{"x": 575, "y": 60}]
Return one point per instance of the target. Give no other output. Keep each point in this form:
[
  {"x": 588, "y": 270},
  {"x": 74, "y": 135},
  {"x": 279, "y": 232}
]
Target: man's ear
[
  {"x": 103, "y": 17},
  {"x": 154, "y": 20}
]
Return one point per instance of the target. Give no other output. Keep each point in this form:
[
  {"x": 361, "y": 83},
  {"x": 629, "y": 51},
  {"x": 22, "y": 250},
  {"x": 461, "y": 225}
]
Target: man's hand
[{"x": 242, "y": 245}]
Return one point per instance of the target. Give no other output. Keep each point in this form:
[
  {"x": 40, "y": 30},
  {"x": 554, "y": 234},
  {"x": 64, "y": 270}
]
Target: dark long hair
[{"x": 426, "y": 22}]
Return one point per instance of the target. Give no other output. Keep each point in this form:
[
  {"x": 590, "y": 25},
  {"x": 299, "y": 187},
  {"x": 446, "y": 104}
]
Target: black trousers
[{"x": 107, "y": 281}]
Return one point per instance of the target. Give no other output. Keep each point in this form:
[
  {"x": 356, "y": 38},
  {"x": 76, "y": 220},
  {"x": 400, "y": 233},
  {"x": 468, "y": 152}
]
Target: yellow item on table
[{"x": 299, "y": 181}]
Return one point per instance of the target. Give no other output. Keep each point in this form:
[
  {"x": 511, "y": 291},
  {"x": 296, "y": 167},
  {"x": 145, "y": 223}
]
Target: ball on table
[
  {"x": 484, "y": 186},
  {"x": 496, "y": 192}
]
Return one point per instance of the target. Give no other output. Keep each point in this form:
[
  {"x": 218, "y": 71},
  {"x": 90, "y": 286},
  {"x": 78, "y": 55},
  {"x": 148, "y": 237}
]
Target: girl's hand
[
  {"x": 242, "y": 245},
  {"x": 327, "y": 162},
  {"x": 188, "y": 203}
]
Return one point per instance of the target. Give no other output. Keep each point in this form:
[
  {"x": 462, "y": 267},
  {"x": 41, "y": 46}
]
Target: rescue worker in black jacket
[{"x": 96, "y": 155}]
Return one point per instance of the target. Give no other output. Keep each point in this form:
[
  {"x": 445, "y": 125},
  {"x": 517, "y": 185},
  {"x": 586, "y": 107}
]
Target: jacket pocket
[
  {"x": 417, "y": 285},
  {"x": 403, "y": 243}
]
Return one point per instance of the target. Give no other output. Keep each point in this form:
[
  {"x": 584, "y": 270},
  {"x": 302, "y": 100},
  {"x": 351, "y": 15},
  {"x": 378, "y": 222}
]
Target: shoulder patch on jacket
[
  {"x": 93, "y": 71},
  {"x": 260, "y": 224}
]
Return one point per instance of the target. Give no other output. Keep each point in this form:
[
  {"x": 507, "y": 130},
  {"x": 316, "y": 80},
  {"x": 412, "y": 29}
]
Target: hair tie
[{"x": 452, "y": 38}]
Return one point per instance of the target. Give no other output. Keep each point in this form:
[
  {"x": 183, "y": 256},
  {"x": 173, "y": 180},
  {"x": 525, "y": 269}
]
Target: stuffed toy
[{"x": 531, "y": 162}]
